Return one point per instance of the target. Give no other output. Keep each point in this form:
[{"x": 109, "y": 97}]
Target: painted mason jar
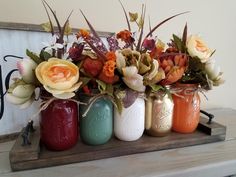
[
  {"x": 158, "y": 114},
  {"x": 186, "y": 108},
  {"x": 129, "y": 125},
  {"x": 96, "y": 127},
  {"x": 59, "y": 125}
]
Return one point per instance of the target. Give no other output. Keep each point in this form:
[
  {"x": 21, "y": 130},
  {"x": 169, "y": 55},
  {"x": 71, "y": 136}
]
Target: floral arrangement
[
  {"x": 131, "y": 64},
  {"x": 52, "y": 71}
]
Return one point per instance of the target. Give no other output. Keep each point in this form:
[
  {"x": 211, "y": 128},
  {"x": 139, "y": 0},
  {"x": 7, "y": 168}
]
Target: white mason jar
[{"x": 129, "y": 125}]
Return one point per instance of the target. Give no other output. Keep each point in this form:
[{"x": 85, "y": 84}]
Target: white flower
[
  {"x": 52, "y": 44},
  {"x": 197, "y": 48},
  {"x": 120, "y": 61},
  {"x": 21, "y": 94},
  {"x": 26, "y": 68},
  {"x": 214, "y": 72},
  {"x": 132, "y": 79}
]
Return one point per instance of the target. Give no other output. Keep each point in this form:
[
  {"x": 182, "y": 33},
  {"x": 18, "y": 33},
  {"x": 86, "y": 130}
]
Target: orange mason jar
[{"x": 186, "y": 112}]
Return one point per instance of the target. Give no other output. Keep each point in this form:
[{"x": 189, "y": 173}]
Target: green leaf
[
  {"x": 110, "y": 89},
  {"x": 140, "y": 23},
  {"x": 101, "y": 86},
  {"x": 68, "y": 29},
  {"x": 33, "y": 56},
  {"x": 47, "y": 27},
  {"x": 133, "y": 16},
  {"x": 179, "y": 44},
  {"x": 84, "y": 80},
  {"x": 156, "y": 88},
  {"x": 185, "y": 34},
  {"x": 119, "y": 104},
  {"x": 45, "y": 55}
]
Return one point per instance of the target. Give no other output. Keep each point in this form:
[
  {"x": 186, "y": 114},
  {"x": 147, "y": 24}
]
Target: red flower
[
  {"x": 125, "y": 36},
  {"x": 75, "y": 51},
  {"x": 92, "y": 67},
  {"x": 148, "y": 44}
]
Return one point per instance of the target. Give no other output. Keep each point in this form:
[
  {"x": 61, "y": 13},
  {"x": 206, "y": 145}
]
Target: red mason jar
[
  {"x": 186, "y": 112},
  {"x": 59, "y": 125}
]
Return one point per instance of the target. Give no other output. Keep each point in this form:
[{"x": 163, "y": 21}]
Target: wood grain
[
  {"x": 82, "y": 152},
  {"x": 20, "y": 153}
]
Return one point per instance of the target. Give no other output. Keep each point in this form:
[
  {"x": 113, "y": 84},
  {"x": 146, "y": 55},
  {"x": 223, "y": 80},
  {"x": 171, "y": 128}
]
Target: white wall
[{"x": 214, "y": 20}]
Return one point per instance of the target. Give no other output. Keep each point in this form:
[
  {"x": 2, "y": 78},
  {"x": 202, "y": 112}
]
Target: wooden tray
[{"x": 36, "y": 156}]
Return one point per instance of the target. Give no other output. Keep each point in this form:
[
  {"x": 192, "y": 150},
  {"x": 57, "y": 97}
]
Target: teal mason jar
[{"x": 96, "y": 127}]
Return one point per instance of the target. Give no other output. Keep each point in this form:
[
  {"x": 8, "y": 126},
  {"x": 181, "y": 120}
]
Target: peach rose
[
  {"x": 59, "y": 77},
  {"x": 198, "y": 48}
]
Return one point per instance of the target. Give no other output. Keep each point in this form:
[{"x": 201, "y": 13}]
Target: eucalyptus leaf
[
  {"x": 68, "y": 29},
  {"x": 133, "y": 16},
  {"x": 141, "y": 23},
  {"x": 46, "y": 26}
]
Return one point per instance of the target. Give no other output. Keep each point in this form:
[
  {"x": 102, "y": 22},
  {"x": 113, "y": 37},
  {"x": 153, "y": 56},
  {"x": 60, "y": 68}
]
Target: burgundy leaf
[
  {"x": 55, "y": 17},
  {"x": 161, "y": 23},
  {"x": 127, "y": 20},
  {"x": 98, "y": 40},
  {"x": 50, "y": 21},
  {"x": 100, "y": 54}
]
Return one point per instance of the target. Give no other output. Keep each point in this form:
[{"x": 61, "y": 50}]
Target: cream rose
[
  {"x": 21, "y": 93},
  {"x": 198, "y": 48},
  {"x": 132, "y": 79},
  {"x": 59, "y": 77},
  {"x": 214, "y": 73}
]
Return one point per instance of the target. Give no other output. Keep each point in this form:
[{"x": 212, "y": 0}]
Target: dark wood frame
[{"x": 38, "y": 28}]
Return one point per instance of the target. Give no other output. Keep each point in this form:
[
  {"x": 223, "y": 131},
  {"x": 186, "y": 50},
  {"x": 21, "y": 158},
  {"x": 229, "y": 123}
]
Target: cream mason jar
[
  {"x": 158, "y": 114},
  {"x": 129, "y": 125}
]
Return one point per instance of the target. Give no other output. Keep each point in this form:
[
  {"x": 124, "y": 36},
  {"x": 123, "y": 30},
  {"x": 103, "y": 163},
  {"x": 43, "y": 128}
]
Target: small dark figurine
[
  {"x": 210, "y": 116},
  {"x": 25, "y": 134}
]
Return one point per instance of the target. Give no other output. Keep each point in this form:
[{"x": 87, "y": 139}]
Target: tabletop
[{"x": 213, "y": 159}]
